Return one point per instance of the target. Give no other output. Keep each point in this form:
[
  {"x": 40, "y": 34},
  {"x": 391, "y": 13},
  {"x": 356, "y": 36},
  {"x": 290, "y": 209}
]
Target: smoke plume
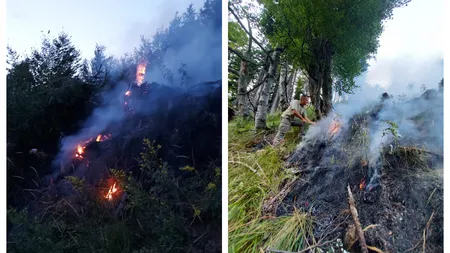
[{"x": 190, "y": 57}]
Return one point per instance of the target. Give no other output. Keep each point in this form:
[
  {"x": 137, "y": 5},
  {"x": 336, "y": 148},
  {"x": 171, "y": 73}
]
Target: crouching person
[{"x": 295, "y": 115}]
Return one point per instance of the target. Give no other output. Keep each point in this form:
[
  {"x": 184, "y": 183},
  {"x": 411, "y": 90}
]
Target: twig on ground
[
  {"x": 270, "y": 206},
  {"x": 423, "y": 236},
  {"x": 354, "y": 211},
  {"x": 244, "y": 164},
  {"x": 424, "y": 245}
]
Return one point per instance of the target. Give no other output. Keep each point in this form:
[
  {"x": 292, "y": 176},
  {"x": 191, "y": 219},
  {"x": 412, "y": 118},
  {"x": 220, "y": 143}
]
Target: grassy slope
[{"x": 253, "y": 178}]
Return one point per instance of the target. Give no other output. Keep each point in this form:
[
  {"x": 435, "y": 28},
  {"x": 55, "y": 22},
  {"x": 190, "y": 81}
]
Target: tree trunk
[
  {"x": 282, "y": 88},
  {"x": 276, "y": 100},
  {"x": 242, "y": 88},
  {"x": 320, "y": 78},
  {"x": 314, "y": 89},
  {"x": 261, "y": 76},
  {"x": 261, "y": 111},
  {"x": 327, "y": 82},
  {"x": 243, "y": 107},
  {"x": 290, "y": 86}
]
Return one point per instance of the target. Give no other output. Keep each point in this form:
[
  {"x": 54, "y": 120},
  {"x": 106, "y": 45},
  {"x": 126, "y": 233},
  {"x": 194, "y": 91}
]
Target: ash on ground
[{"x": 397, "y": 187}]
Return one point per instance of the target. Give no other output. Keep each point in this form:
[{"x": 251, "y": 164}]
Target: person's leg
[
  {"x": 300, "y": 124},
  {"x": 285, "y": 126}
]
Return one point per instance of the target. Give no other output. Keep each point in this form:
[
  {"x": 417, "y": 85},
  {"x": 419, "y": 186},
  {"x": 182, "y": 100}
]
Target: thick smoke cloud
[
  {"x": 403, "y": 108},
  {"x": 198, "y": 50}
]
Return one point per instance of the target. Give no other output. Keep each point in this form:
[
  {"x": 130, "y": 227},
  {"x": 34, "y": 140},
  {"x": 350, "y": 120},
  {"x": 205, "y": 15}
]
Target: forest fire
[
  {"x": 140, "y": 73},
  {"x": 113, "y": 189}
]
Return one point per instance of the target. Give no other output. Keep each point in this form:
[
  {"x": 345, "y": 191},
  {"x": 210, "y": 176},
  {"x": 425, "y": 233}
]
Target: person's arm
[
  {"x": 309, "y": 121},
  {"x": 298, "y": 115}
]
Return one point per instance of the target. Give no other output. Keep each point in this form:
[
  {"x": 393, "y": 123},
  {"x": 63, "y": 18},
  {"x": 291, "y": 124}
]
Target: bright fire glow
[
  {"x": 140, "y": 73},
  {"x": 80, "y": 151},
  {"x": 111, "y": 191},
  {"x": 127, "y": 93},
  {"x": 362, "y": 184},
  {"x": 335, "y": 127}
]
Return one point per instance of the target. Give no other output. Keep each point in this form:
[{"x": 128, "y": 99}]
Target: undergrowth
[
  {"x": 255, "y": 176},
  {"x": 154, "y": 211}
]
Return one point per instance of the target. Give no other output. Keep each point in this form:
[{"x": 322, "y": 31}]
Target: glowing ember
[
  {"x": 362, "y": 185},
  {"x": 80, "y": 151},
  {"x": 101, "y": 137},
  {"x": 335, "y": 127},
  {"x": 111, "y": 191},
  {"x": 127, "y": 93},
  {"x": 140, "y": 73}
]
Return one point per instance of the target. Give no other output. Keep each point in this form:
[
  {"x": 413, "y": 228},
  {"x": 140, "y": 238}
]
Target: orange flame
[
  {"x": 335, "y": 127},
  {"x": 111, "y": 191},
  {"x": 80, "y": 151},
  {"x": 140, "y": 72},
  {"x": 127, "y": 93},
  {"x": 362, "y": 184}
]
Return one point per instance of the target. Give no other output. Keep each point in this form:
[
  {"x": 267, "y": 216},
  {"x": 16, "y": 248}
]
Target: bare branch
[{"x": 247, "y": 31}]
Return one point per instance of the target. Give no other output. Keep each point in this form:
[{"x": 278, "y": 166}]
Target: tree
[
  {"x": 261, "y": 112},
  {"x": 56, "y": 60},
  {"x": 328, "y": 39}
]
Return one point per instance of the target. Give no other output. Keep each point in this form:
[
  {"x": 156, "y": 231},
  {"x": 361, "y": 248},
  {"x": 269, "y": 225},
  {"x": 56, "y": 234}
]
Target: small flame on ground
[
  {"x": 362, "y": 184},
  {"x": 111, "y": 191},
  {"x": 140, "y": 73},
  {"x": 128, "y": 93},
  {"x": 334, "y": 128},
  {"x": 80, "y": 151}
]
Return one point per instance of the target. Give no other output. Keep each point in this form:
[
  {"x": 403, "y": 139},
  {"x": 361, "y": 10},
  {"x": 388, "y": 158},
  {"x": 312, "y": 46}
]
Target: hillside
[{"x": 294, "y": 198}]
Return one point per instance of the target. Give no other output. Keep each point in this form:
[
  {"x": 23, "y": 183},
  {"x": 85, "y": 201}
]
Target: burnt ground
[{"x": 407, "y": 199}]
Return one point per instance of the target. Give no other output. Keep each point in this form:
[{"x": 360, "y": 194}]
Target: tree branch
[
  {"x": 233, "y": 71},
  {"x": 242, "y": 56},
  {"x": 256, "y": 86},
  {"x": 246, "y": 31}
]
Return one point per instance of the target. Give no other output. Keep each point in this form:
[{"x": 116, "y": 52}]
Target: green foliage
[
  {"x": 304, "y": 28},
  {"x": 237, "y": 38},
  {"x": 158, "y": 210},
  {"x": 392, "y": 130}
]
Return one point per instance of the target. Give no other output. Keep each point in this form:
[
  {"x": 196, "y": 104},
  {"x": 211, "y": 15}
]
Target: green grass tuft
[{"x": 255, "y": 176}]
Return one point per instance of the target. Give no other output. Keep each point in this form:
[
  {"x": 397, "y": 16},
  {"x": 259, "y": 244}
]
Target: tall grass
[{"x": 255, "y": 176}]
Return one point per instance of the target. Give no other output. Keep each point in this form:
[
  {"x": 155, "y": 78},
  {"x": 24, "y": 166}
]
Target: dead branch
[
  {"x": 425, "y": 232},
  {"x": 354, "y": 211},
  {"x": 270, "y": 206}
]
